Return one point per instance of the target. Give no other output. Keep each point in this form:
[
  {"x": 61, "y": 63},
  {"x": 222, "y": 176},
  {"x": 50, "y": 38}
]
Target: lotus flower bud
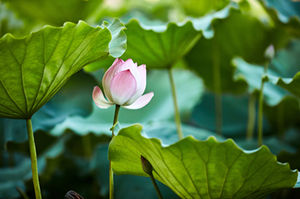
[
  {"x": 123, "y": 84},
  {"x": 146, "y": 165},
  {"x": 270, "y": 52}
]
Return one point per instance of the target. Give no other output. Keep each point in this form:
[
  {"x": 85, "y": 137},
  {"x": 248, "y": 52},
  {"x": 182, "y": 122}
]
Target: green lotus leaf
[
  {"x": 252, "y": 74},
  {"x": 161, "y": 45},
  {"x": 201, "y": 169},
  {"x": 201, "y": 7},
  {"x": 34, "y": 68},
  {"x": 54, "y": 12},
  {"x": 234, "y": 35},
  {"x": 286, "y": 9}
]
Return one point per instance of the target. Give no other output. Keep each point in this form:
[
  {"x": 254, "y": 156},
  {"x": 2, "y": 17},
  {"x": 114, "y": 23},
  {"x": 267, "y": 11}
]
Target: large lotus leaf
[
  {"x": 252, "y": 74},
  {"x": 201, "y": 7},
  {"x": 161, "y": 45},
  {"x": 274, "y": 93},
  {"x": 34, "y": 68},
  {"x": 54, "y": 12},
  {"x": 138, "y": 185},
  {"x": 73, "y": 99},
  {"x": 14, "y": 177},
  {"x": 160, "y": 107},
  {"x": 286, "y": 9},
  {"x": 201, "y": 169},
  {"x": 285, "y": 65},
  {"x": 240, "y": 34}
]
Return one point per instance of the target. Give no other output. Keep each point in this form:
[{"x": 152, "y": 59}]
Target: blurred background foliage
[{"x": 217, "y": 72}]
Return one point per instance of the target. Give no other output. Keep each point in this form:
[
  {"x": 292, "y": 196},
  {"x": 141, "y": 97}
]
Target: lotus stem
[
  {"x": 148, "y": 169},
  {"x": 280, "y": 120},
  {"x": 111, "y": 174},
  {"x": 34, "y": 167},
  {"x": 260, "y": 107},
  {"x": 176, "y": 109},
  {"x": 156, "y": 187},
  {"x": 218, "y": 109},
  {"x": 217, "y": 89},
  {"x": 251, "y": 116}
]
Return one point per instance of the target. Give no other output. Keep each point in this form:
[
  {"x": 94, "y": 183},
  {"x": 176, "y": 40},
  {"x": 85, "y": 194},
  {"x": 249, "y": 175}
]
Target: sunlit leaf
[
  {"x": 200, "y": 169},
  {"x": 54, "y": 12},
  {"x": 34, "y": 68},
  {"x": 201, "y": 7},
  {"x": 159, "y": 46}
]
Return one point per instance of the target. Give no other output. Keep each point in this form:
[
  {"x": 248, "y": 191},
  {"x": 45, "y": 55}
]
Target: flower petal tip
[
  {"x": 99, "y": 98},
  {"x": 141, "y": 101}
]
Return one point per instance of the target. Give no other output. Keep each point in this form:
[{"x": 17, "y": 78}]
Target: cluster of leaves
[{"x": 215, "y": 50}]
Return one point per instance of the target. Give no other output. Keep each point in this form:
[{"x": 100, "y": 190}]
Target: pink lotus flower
[{"x": 124, "y": 84}]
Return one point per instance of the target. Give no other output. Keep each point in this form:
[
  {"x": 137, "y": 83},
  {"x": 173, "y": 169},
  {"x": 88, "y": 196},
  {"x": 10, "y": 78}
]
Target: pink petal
[
  {"x": 141, "y": 83},
  {"x": 109, "y": 74},
  {"x": 118, "y": 66},
  {"x": 141, "y": 101},
  {"x": 99, "y": 98},
  {"x": 122, "y": 87}
]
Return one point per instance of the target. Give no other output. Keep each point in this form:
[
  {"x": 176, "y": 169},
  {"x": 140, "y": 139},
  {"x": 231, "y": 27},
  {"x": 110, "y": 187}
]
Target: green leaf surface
[
  {"x": 138, "y": 185},
  {"x": 252, "y": 75},
  {"x": 159, "y": 46},
  {"x": 54, "y": 12},
  {"x": 160, "y": 107},
  {"x": 286, "y": 9},
  {"x": 68, "y": 102},
  {"x": 201, "y": 7},
  {"x": 201, "y": 169},
  {"x": 34, "y": 68},
  {"x": 240, "y": 34}
]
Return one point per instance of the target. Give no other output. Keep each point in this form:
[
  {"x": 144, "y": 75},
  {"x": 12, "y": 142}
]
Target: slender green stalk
[
  {"x": 176, "y": 109},
  {"x": 260, "y": 107},
  {"x": 280, "y": 121},
  {"x": 156, "y": 187},
  {"x": 260, "y": 114},
  {"x": 111, "y": 174},
  {"x": 217, "y": 89},
  {"x": 22, "y": 193},
  {"x": 86, "y": 143},
  {"x": 148, "y": 168},
  {"x": 35, "y": 175},
  {"x": 251, "y": 116},
  {"x": 218, "y": 105}
]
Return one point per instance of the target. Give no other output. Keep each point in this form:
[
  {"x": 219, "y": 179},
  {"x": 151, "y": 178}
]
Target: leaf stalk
[
  {"x": 34, "y": 167},
  {"x": 176, "y": 109},
  {"x": 111, "y": 174}
]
